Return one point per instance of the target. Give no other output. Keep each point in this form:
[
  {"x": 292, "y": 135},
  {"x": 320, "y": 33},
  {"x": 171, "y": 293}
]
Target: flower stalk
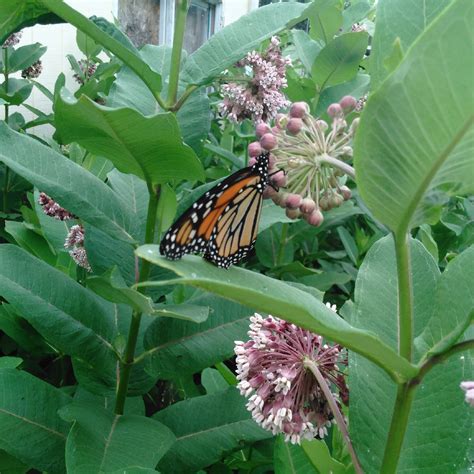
[{"x": 309, "y": 364}]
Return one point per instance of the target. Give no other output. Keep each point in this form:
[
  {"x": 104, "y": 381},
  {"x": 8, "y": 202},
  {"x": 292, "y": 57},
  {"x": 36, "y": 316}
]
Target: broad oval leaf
[
  {"x": 206, "y": 428},
  {"x": 69, "y": 184},
  {"x": 30, "y": 428},
  {"x": 439, "y": 425},
  {"x": 148, "y": 147},
  {"x": 276, "y": 297},
  {"x": 70, "y": 317},
  {"x": 416, "y": 133},
  {"x": 24, "y": 56},
  {"x": 232, "y": 42},
  {"x": 101, "y": 441}
]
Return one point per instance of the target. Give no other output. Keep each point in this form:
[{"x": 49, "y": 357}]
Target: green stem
[
  {"x": 281, "y": 250},
  {"x": 335, "y": 163},
  {"x": 178, "y": 39},
  {"x": 405, "y": 296},
  {"x": 313, "y": 367},
  {"x": 151, "y": 79},
  {"x": 127, "y": 361},
  {"x": 179, "y": 103},
  {"x": 398, "y": 427},
  {"x": 6, "y": 180}
]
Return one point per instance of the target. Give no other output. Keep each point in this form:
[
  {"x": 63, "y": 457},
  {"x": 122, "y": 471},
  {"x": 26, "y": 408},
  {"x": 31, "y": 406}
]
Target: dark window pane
[{"x": 197, "y": 27}]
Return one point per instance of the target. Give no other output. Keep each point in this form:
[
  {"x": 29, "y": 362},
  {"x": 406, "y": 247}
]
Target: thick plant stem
[
  {"x": 6, "y": 180},
  {"x": 405, "y": 392},
  {"x": 313, "y": 367},
  {"x": 398, "y": 427},
  {"x": 178, "y": 39},
  {"x": 405, "y": 296},
  {"x": 127, "y": 361}
]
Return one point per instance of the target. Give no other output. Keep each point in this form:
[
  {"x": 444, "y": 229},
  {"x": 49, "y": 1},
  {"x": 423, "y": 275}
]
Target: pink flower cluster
[
  {"x": 33, "y": 71},
  {"x": 308, "y": 159},
  {"x": 88, "y": 69},
  {"x": 259, "y": 97},
  {"x": 53, "y": 209},
  {"x": 283, "y": 396},
  {"x": 12, "y": 40}
]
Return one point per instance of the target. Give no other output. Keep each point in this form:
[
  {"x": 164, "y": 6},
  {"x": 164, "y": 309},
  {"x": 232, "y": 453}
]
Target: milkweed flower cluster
[
  {"x": 75, "y": 237},
  {"x": 88, "y": 69},
  {"x": 283, "y": 396},
  {"x": 311, "y": 155},
  {"x": 33, "y": 71},
  {"x": 75, "y": 241},
  {"x": 257, "y": 97},
  {"x": 12, "y": 40},
  {"x": 53, "y": 209}
]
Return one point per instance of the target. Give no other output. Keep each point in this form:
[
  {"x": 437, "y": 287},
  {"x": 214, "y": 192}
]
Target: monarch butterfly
[{"x": 222, "y": 223}]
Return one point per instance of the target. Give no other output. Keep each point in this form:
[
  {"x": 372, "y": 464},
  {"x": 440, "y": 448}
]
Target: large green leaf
[
  {"x": 232, "y": 42},
  {"x": 24, "y": 57},
  {"x": 438, "y": 429},
  {"x": 68, "y": 183},
  {"x": 128, "y": 90},
  {"x": 70, "y": 317},
  {"x": 416, "y": 132},
  {"x": 454, "y": 308},
  {"x": 402, "y": 21},
  {"x": 101, "y": 441},
  {"x": 148, "y": 147},
  {"x": 339, "y": 60},
  {"x": 276, "y": 297},
  {"x": 206, "y": 428},
  {"x": 30, "y": 428},
  {"x": 174, "y": 346},
  {"x": 15, "y": 15},
  {"x": 306, "y": 48}
]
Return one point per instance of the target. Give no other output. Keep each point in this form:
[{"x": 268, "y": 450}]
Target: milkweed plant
[{"x": 341, "y": 343}]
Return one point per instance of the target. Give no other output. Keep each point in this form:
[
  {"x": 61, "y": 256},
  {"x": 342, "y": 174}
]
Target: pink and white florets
[{"x": 283, "y": 396}]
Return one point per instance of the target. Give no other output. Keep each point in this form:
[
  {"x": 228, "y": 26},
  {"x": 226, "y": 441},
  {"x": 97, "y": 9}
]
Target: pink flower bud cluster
[
  {"x": 257, "y": 97},
  {"x": 75, "y": 241},
  {"x": 283, "y": 396},
  {"x": 33, "y": 71},
  {"x": 468, "y": 387},
  {"x": 12, "y": 40},
  {"x": 88, "y": 69},
  {"x": 361, "y": 103},
  {"x": 53, "y": 209},
  {"x": 303, "y": 152}
]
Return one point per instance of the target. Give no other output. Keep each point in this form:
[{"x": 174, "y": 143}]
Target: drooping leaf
[
  {"x": 70, "y": 317},
  {"x": 16, "y": 91},
  {"x": 278, "y": 298},
  {"x": 101, "y": 441},
  {"x": 69, "y": 184},
  {"x": 232, "y": 42},
  {"x": 30, "y": 428},
  {"x": 438, "y": 428},
  {"x": 16, "y": 15},
  {"x": 206, "y": 427},
  {"x": 406, "y": 154},
  {"x": 339, "y": 60},
  {"x": 404, "y": 20},
  {"x": 148, "y": 147}
]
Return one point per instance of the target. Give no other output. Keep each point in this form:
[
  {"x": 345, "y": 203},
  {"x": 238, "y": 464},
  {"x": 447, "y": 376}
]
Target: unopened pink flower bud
[
  {"x": 334, "y": 110},
  {"x": 293, "y": 213},
  {"x": 336, "y": 200},
  {"x": 261, "y": 129},
  {"x": 346, "y": 193},
  {"x": 293, "y": 201},
  {"x": 279, "y": 179},
  {"x": 269, "y": 192},
  {"x": 281, "y": 120},
  {"x": 307, "y": 206},
  {"x": 294, "y": 125},
  {"x": 299, "y": 110},
  {"x": 348, "y": 103},
  {"x": 268, "y": 141},
  {"x": 252, "y": 160},
  {"x": 316, "y": 218},
  {"x": 254, "y": 149}
]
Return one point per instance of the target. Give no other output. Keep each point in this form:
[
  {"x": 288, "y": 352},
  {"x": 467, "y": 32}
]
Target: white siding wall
[{"x": 61, "y": 40}]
